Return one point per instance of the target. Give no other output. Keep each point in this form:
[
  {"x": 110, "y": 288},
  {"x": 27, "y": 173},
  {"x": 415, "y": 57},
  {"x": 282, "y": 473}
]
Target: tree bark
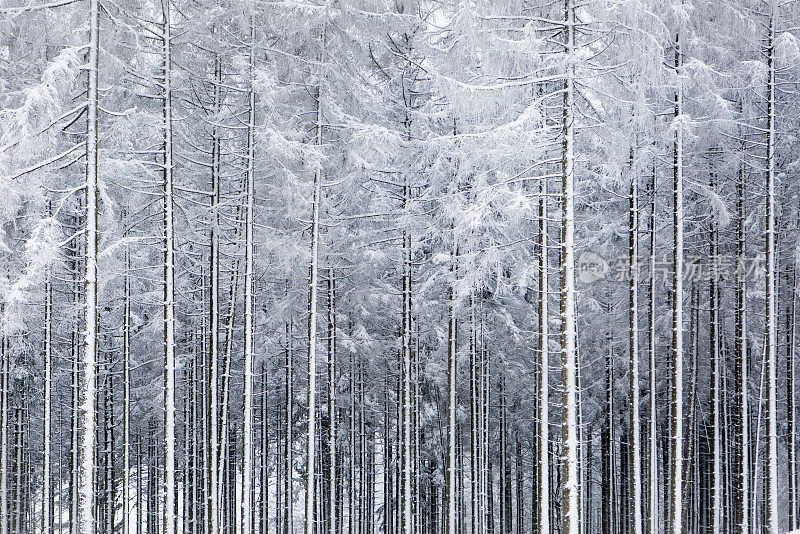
[
  {"x": 332, "y": 448},
  {"x": 676, "y": 444},
  {"x": 406, "y": 517},
  {"x": 569, "y": 353},
  {"x": 288, "y": 455},
  {"x": 791, "y": 334},
  {"x": 247, "y": 438},
  {"x": 771, "y": 286},
  {"x": 312, "y": 320},
  {"x": 47, "y": 495},
  {"x": 543, "y": 430},
  {"x": 4, "y": 428},
  {"x": 212, "y": 508},
  {"x": 126, "y": 394},
  {"x": 169, "y": 282},
  {"x": 715, "y": 380},
  {"x": 633, "y": 350},
  {"x": 653, "y": 437},
  {"x": 85, "y": 468},
  {"x": 452, "y": 379}
]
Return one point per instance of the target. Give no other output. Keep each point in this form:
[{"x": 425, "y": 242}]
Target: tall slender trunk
[
  {"x": 608, "y": 442},
  {"x": 715, "y": 380},
  {"x": 362, "y": 453},
  {"x": 332, "y": 448},
  {"x": 247, "y": 438},
  {"x": 193, "y": 475},
  {"x": 482, "y": 429},
  {"x": 507, "y": 494},
  {"x": 75, "y": 395},
  {"x": 589, "y": 487},
  {"x": 418, "y": 437},
  {"x": 109, "y": 424},
  {"x": 474, "y": 468},
  {"x": 771, "y": 286},
  {"x": 518, "y": 471},
  {"x": 388, "y": 509},
  {"x": 742, "y": 482},
  {"x": 653, "y": 438},
  {"x": 676, "y": 445},
  {"x": 19, "y": 463},
  {"x": 169, "y": 283},
  {"x": 126, "y": 394},
  {"x": 60, "y": 461},
  {"x": 543, "y": 431},
  {"x": 633, "y": 349},
  {"x": 264, "y": 482},
  {"x": 691, "y": 467},
  {"x": 85, "y": 468},
  {"x": 281, "y": 495},
  {"x": 624, "y": 485},
  {"x": 312, "y": 317},
  {"x": 569, "y": 352},
  {"x": 212, "y": 508},
  {"x": 4, "y": 428},
  {"x": 452, "y": 379},
  {"x": 289, "y": 434},
  {"x": 351, "y": 431},
  {"x": 487, "y": 410},
  {"x": 791, "y": 416},
  {"x": 729, "y": 463},
  {"x": 201, "y": 410},
  {"x": 505, "y": 521},
  {"x": 227, "y": 364},
  {"x": 184, "y": 505},
  {"x": 47, "y": 497},
  {"x": 407, "y": 517}
]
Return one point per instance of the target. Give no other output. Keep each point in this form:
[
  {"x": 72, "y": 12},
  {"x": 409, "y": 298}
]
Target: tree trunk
[
  {"x": 771, "y": 286},
  {"x": 417, "y": 437},
  {"x": 388, "y": 492},
  {"x": 742, "y": 501},
  {"x": 483, "y": 419},
  {"x": 790, "y": 401},
  {"x": 518, "y": 470},
  {"x": 225, "y": 426},
  {"x": 47, "y": 495},
  {"x": 75, "y": 356},
  {"x": 715, "y": 380},
  {"x": 653, "y": 437},
  {"x": 312, "y": 322},
  {"x": 4, "y": 427},
  {"x": 288, "y": 455},
  {"x": 608, "y": 460},
  {"x": 690, "y": 468},
  {"x": 506, "y": 520},
  {"x": 126, "y": 394},
  {"x": 452, "y": 379},
  {"x": 406, "y": 517},
  {"x": 676, "y": 444},
  {"x": 473, "y": 418},
  {"x": 247, "y": 438},
  {"x": 332, "y": 448},
  {"x": 633, "y": 348},
  {"x": 543, "y": 430},
  {"x": 212, "y": 508},
  {"x": 569, "y": 354},
  {"x": 169, "y": 282},
  {"x": 85, "y": 468}
]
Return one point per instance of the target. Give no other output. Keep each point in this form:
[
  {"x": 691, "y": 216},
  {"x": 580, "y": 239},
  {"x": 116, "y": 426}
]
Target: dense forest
[{"x": 399, "y": 266}]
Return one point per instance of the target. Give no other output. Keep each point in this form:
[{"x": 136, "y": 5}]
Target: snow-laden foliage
[{"x": 431, "y": 127}]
